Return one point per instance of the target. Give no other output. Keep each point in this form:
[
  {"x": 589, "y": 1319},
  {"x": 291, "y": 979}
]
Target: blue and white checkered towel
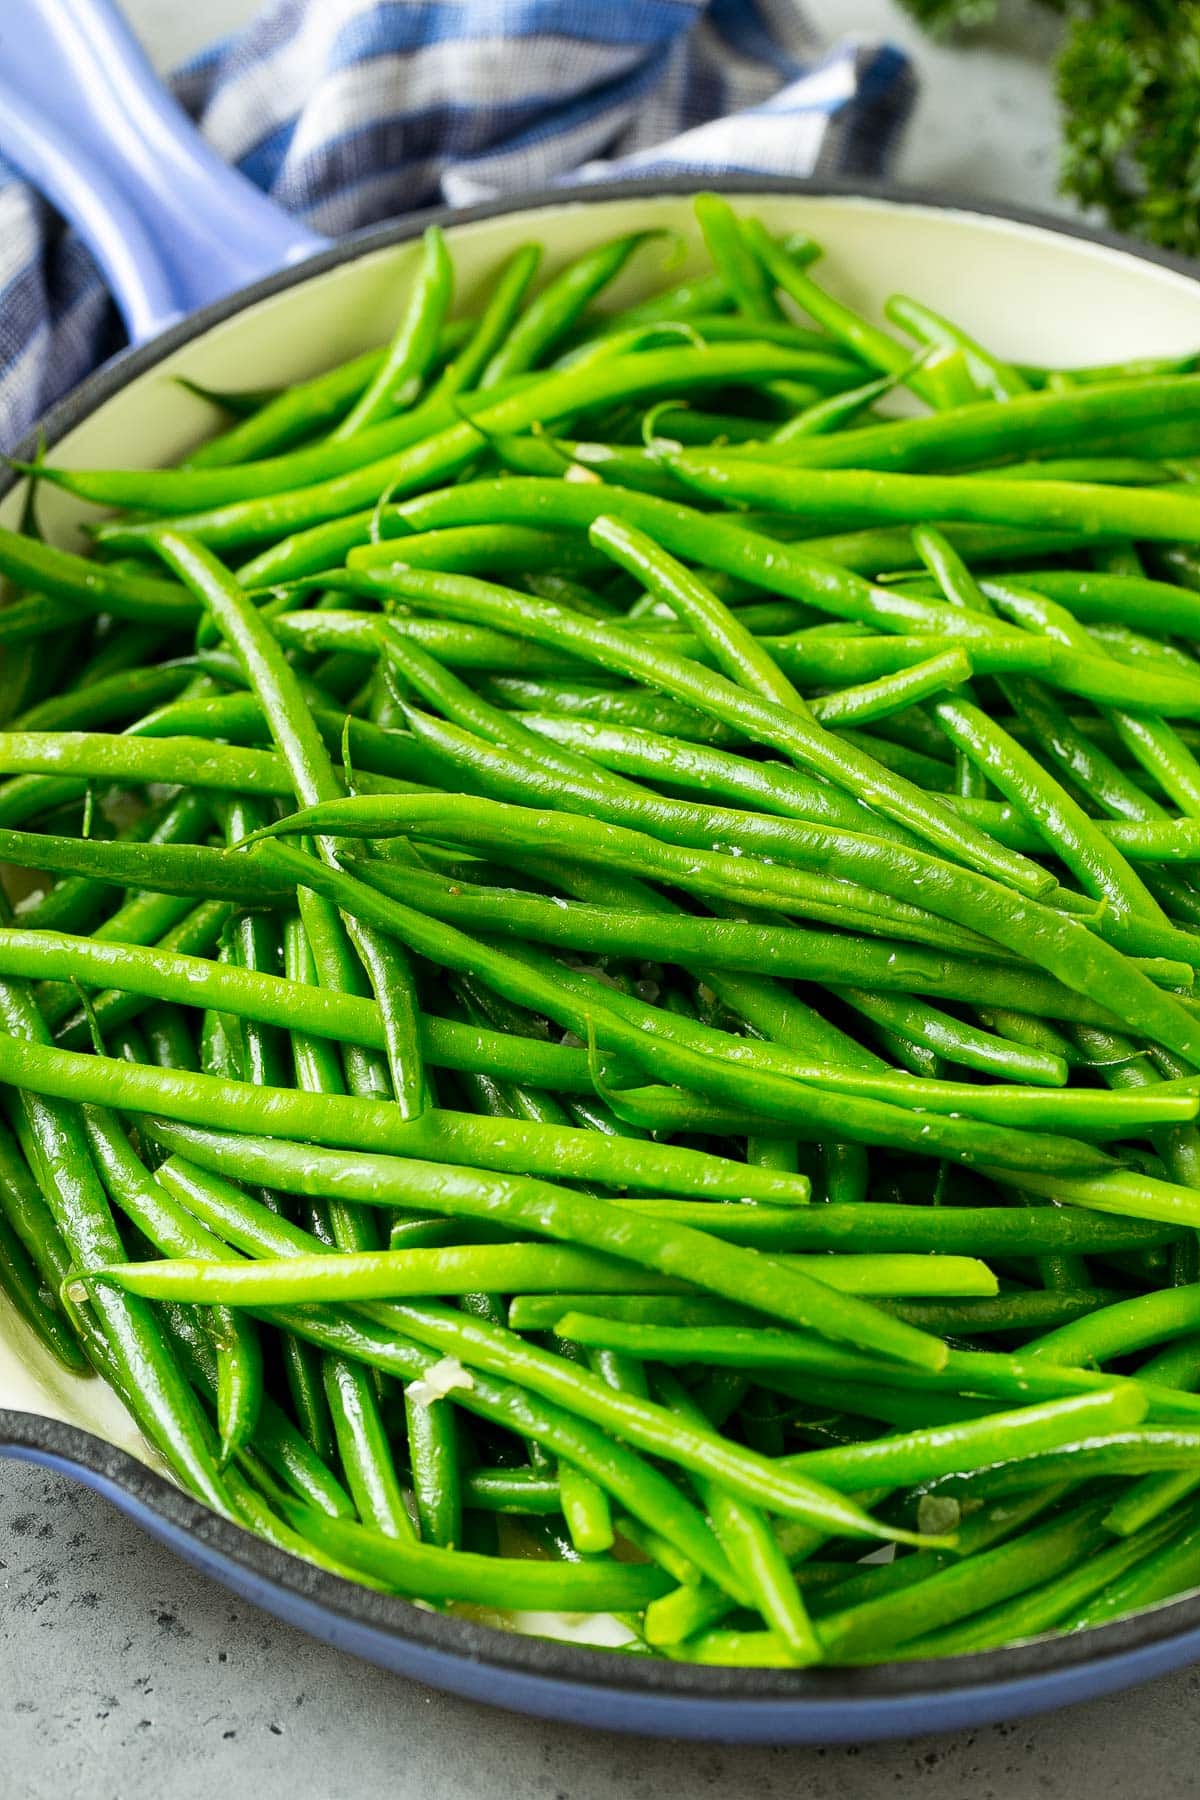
[{"x": 350, "y": 112}]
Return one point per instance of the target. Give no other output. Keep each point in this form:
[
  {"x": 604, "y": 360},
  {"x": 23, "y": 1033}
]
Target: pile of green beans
[{"x": 598, "y": 963}]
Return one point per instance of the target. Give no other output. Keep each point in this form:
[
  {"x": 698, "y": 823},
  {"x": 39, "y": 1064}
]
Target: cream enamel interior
[{"x": 1027, "y": 291}]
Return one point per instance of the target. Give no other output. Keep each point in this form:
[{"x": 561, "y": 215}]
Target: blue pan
[{"x": 216, "y": 284}]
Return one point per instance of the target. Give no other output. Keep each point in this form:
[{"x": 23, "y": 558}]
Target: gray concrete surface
[{"x": 123, "y": 1676}]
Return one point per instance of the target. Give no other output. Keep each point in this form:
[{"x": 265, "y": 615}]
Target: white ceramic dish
[{"x": 1032, "y": 291}]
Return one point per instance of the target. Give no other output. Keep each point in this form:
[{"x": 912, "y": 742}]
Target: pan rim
[{"x": 40, "y": 1438}]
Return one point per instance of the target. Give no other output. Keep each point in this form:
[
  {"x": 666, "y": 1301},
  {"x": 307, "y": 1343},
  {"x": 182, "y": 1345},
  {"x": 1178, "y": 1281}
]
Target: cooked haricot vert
[{"x": 597, "y": 1006}]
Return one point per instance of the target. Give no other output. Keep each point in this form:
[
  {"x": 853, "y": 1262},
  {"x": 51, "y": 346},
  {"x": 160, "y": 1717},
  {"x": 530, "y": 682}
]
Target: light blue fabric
[{"x": 351, "y": 112}]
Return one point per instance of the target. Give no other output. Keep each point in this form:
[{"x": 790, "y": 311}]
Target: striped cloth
[{"x": 351, "y": 112}]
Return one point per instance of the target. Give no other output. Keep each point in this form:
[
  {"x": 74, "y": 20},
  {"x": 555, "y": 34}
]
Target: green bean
[
  {"x": 98, "y": 756},
  {"x": 24, "y": 668},
  {"x": 496, "y": 547},
  {"x": 33, "y": 618},
  {"x": 279, "y": 1446},
  {"x": 174, "y": 868},
  {"x": 429, "y": 1572},
  {"x": 721, "y": 1269},
  {"x": 1098, "y": 596},
  {"x": 1148, "y": 1499},
  {"x": 542, "y": 1312},
  {"x": 736, "y": 262},
  {"x": 503, "y": 772},
  {"x": 515, "y": 1146},
  {"x": 123, "y": 646},
  {"x": 695, "y": 295},
  {"x": 166, "y": 491},
  {"x": 300, "y": 410},
  {"x": 714, "y": 862},
  {"x": 640, "y": 1488},
  {"x": 1103, "y": 419},
  {"x": 1001, "y": 380},
  {"x": 751, "y": 1546},
  {"x": 1133, "y": 1195},
  {"x": 742, "y": 660},
  {"x": 968, "y": 1587},
  {"x": 663, "y": 1109},
  {"x": 312, "y": 773},
  {"x": 733, "y": 1649},
  {"x": 529, "y": 1268},
  {"x": 511, "y": 1491},
  {"x": 914, "y": 1456},
  {"x": 259, "y": 1515},
  {"x": 1117, "y": 1453},
  {"x": 507, "y": 292},
  {"x": 1010, "y": 1377},
  {"x": 891, "y": 1228},
  {"x": 1176, "y": 1366},
  {"x": 544, "y": 456},
  {"x": 664, "y": 759},
  {"x": 891, "y": 693},
  {"x": 499, "y": 1352},
  {"x": 559, "y": 305},
  {"x": 28, "y": 1216},
  {"x": 408, "y": 356},
  {"x": 76, "y": 1200},
  {"x": 714, "y": 873},
  {"x": 29, "y": 1300},
  {"x": 1122, "y": 1068},
  {"x": 544, "y": 987},
  {"x": 636, "y": 708},
  {"x": 324, "y": 1013},
  {"x": 845, "y": 1173},
  {"x": 349, "y": 1387},
  {"x": 253, "y": 940},
  {"x": 292, "y": 413},
  {"x": 1170, "y": 1570},
  {"x": 1031, "y": 1310},
  {"x": 1065, "y": 827},
  {"x": 1040, "y": 1610},
  {"x": 956, "y": 1041},
  {"x": 853, "y": 497},
  {"x": 231, "y": 1049},
  {"x": 363, "y": 1447},
  {"x": 586, "y": 1511},
  {"x": 641, "y": 1422},
  {"x": 1058, "y": 943},
  {"x": 319, "y": 1068},
  {"x": 382, "y": 1275},
  {"x": 91, "y": 587},
  {"x": 120, "y": 696},
  {"x": 1154, "y": 744},
  {"x": 437, "y": 1482},
  {"x": 790, "y": 570},
  {"x": 868, "y": 1401},
  {"x": 197, "y": 931},
  {"x": 834, "y": 411},
  {"x": 424, "y": 675},
  {"x": 443, "y": 452},
  {"x": 984, "y": 1528},
  {"x": 1117, "y": 1330},
  {"x": 239, "y": 1393},
  {"x": 875, "y": 347},
  {"x": 1134, "y": 369},
  {"x": 733, "y": 1346}
]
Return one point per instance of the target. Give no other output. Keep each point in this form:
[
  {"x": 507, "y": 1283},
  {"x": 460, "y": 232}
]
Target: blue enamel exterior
[{"x": 626, "y": 1704}]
